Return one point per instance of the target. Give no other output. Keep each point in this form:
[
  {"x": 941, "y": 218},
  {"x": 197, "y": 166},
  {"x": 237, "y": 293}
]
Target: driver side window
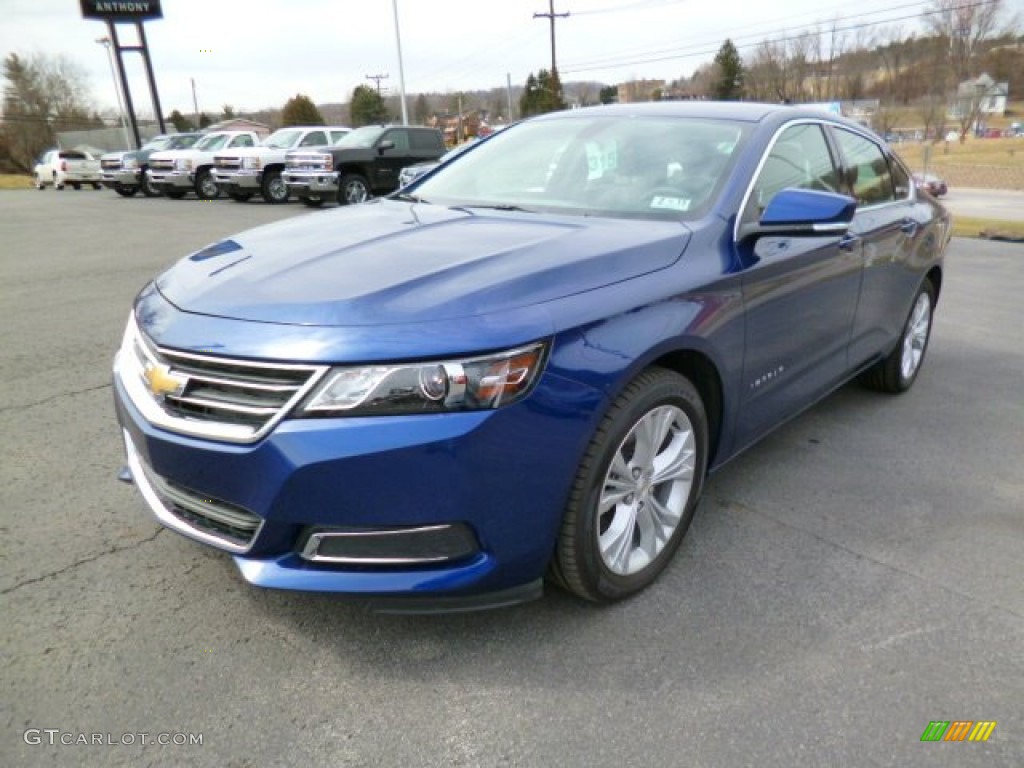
[{"x": 799, "y": 158}]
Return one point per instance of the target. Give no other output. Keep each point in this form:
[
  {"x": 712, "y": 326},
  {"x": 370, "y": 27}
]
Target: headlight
[
  {"x": 440, "y": 386},
  {"x": 328, "y": 161},
  {"x": 129, "y": 162},
  {"x": 183, "y": 164},
  {"x": 251, "y": 163}
]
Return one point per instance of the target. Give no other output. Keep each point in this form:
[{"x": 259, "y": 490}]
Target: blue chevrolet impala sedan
[{"x": 522, "y": 366}]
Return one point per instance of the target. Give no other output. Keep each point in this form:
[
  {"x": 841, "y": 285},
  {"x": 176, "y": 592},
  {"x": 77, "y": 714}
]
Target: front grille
[
  {"x": 207, "y": 396},
  {"x": 161, "y": 165},
  {"x": 310, "y": 162},
  {"x": 227, "y": 163},
  {"x": 110, "y": 165}
]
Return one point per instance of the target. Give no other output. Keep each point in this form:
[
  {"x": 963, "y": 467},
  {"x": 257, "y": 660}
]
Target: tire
[
  {"x": 40, "y": 184},
  {"x": 126, "y": 191},
  {"x": 273, "y": 189},
  {"x": 898, "y": 372},
  {"x": 206, "y": 186},
  {"x": 636, "y": 489},
  {"x": 173, "y": 193},
  {"x": 96, "y": 186},
  {"x": 312, "y": 202},
  {"x": 353, "y": 189},
  {"x": 147, "y": 188},
  {"x": 240, "y": 197},
  {"x": 76, "y": 186},
  {"x": 55, "y": 184}
]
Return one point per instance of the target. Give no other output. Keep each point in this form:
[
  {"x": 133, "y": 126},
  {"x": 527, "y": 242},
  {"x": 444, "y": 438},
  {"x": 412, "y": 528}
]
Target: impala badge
[{"x": 163, "y": 382}]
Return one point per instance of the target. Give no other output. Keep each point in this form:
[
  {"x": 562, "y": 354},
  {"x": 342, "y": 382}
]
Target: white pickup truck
[
  {"x": 176, "y": 172},
  {"x": 244, "y": 172},
  {"x": 67, "y": 166}
]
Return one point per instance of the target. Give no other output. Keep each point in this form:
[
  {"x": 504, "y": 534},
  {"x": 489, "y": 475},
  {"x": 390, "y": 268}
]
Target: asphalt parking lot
[{"x": 854, "y": 577}]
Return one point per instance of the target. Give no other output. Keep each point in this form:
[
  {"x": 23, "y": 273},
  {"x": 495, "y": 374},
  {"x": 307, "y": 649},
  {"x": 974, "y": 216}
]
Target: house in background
[{"x": 980, "y": 97}]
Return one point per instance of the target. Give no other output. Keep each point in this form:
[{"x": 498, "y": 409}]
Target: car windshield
[
  {"x": 283, "y": 139},
  {"x": 362, "y": 137},
  {"x": 161, "y": 142},
  {"x": 211, "y": 141},
  {"x": 182, "y": 142},
  {"x": 658, "y": 167}
]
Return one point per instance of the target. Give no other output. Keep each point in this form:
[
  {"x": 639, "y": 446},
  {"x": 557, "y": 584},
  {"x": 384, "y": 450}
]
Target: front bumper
[
  {"x": 239, "y": 181},
  {"x": 176, "y": 179},
  {"x": 369, "y": 474},
  {"x": 306, "y": 183},
  {"x": 123, "y": 178}
]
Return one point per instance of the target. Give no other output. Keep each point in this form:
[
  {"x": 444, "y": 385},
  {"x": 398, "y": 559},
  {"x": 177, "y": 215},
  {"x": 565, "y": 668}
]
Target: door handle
[
  {"x": 848, "y": 242},
  {"x": 909, "y": 227}
]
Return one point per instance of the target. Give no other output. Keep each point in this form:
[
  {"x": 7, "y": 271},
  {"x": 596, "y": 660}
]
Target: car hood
[{"x": 390, "y": 262}]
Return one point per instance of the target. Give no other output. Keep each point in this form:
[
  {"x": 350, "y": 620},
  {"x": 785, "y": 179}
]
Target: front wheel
[
  {"x": 206, "y": 186},
  {"x": 274, "y": 190},
  {"x": 353, "y": 189},
  {"x": 147, "y": 186},
  {"x": 635, "y": 491},
  {"x": 897, "y": 372}
]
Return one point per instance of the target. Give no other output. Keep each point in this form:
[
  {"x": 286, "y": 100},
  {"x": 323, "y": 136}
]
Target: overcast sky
[{"x": 258, "y": 53}]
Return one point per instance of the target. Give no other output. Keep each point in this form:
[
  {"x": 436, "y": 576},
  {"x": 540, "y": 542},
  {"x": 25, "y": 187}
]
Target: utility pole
[
  {"x": 551, "y": 16},
  {"x": 377, "y": 79}
]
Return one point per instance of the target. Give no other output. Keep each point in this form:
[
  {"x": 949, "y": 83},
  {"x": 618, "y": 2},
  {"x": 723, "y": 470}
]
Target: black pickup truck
[{"x": 363, "y": 164}]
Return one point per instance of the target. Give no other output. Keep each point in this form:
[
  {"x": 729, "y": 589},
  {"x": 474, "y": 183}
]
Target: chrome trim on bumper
[{"x": 154, "y": 489}]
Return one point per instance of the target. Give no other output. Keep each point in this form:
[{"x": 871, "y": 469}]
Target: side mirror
[
  {"x": 385, "y": 145},
  {"x": 803, "y": 212}
]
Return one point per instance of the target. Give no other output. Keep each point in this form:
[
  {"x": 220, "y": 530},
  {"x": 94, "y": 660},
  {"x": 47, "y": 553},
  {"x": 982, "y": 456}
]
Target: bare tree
[{"x": 965, "y": 24}]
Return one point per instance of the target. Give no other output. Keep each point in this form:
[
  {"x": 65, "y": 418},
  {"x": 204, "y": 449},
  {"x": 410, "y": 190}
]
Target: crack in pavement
[
  {"x": 44, "y": 401},
  {"x": 91, "y": 559}
]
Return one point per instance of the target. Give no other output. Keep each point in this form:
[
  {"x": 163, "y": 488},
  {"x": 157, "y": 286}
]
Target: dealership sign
[{"x": 121, "y": 10}]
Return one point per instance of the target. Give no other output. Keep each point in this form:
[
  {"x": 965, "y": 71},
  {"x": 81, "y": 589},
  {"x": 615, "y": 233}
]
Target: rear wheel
[
  {"x": 76, "y": 185},
  {"x": 274, "y": 190},
  {"x": 206, "y": 185},
  {"x": 353, "y": 189},
  {"x": 147, "y": 187},
  {"x": 636, "y": 489},
  {"x": 96, "y": 185},
  {"x": 40, "y": 184},
  {"x": 897, "y": 372}
]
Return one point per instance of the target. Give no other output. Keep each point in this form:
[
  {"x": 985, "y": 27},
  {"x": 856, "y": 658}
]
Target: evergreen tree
[
  {"x": 181, "y": 123},
  {"x": 542, "y": 93},
  {"x": 367, "y": 107},
  {"x": 204, "y": 120},
  {"x": 728, "y": 84},
  {"x": 300, "y": 110},
  {"x": 608, "y": 95},
  {"x": 421, "y": 111}
]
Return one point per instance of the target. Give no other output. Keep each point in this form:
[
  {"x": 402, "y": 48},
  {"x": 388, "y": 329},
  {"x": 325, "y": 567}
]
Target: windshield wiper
[
  {"x": 502, "y": 207},
  {"x": 409, "y": 198}
]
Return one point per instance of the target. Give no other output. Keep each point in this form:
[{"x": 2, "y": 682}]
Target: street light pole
[
  {"x": 105, "y": 42},
  {"x": 401, "y": 69}
]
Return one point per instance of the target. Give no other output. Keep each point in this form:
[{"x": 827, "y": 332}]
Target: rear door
[
  {"x": 389, "y": 161},
  {"x": 889, "y": 232},
  {"x": 799, "y": 293}
]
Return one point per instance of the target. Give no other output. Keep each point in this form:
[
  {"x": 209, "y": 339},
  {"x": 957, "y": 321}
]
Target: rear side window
[
  {"x": 425, "y": 140},
  {"x": 70, "y": 154},
  {"x": 866, "y": 169}
]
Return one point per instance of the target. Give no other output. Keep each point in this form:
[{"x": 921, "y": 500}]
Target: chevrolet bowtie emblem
[{"x": 163, "y": 382}]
